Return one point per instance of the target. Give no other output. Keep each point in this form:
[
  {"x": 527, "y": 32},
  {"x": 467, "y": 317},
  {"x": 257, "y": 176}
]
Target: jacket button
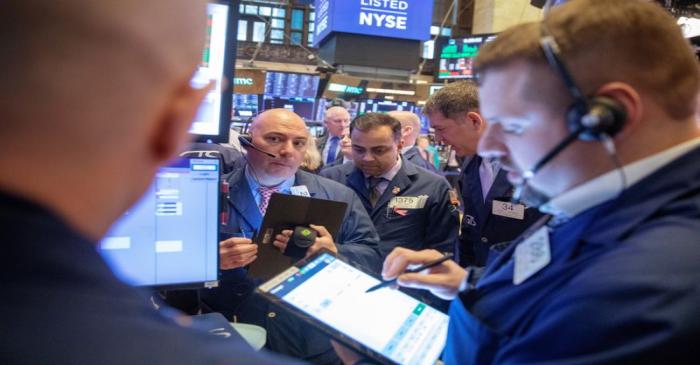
[
  {"x": 271, "y": 314},
  {"x": 484, "y": 239}
]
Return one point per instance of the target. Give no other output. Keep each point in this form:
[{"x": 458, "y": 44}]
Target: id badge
[
  {"x": 531, "y": 255},
  {"x": 300, "y": 190},
  {"x": 508, "y": 209}
]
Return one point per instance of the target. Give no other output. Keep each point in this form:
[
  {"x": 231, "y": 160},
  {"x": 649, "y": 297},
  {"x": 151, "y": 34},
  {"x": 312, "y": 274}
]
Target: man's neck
[
  {"x": 88, "y": 206},
  {"x": 264, "y": 180}
]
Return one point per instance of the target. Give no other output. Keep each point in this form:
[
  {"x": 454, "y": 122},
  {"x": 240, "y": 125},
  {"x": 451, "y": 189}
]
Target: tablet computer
[
  {"x": 287, "y": 211},
  {"x": 385, "y": 325}
]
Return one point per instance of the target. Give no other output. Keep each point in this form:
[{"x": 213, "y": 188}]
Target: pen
[{"x": 426, "y": 265}]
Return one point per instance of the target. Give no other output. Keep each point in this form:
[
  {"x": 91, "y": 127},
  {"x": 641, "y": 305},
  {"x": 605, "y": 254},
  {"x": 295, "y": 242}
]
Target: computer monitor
[
  {"x": 456, "y": 57},
  {"x": 213, "y": 118},
  {"x": 291, "y": 85},
  {"x": 304, "y": 107},
  {"x": 384, "y": 106},
  {"x": 245, "y": 105},
  {"x": 170, "y": 238}
]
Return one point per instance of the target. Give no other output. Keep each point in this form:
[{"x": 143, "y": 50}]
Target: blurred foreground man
[
  {"x": 101, "y": 89},
  {"x": 613, "y": 277}
]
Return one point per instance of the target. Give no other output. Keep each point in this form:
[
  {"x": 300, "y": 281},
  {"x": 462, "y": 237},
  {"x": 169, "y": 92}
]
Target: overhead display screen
[
  {"x": 304, "y": 107},
  {"x": 291, "y": 85},
  {"x": 456, "y": 58},
  {"x": 384, "y": 106}
]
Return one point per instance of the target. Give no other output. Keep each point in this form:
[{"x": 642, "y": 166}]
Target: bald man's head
[
  {"x": 282, "y": 133},
  {"x": 91, "y": 68},
  {"x": 102, "y": 90},
  {"x": 410, "y": 126}
]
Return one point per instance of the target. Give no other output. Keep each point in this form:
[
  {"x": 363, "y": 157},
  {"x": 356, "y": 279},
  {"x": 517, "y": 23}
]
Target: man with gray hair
[
  {"x": 113, "y": 79},
  {"x": 410, "y": 129},
  {"x": 336, "y": 120}
]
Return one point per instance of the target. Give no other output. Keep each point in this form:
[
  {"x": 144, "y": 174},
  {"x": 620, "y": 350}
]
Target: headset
[
  {"x": 247, "y": 141},
  {"x": 588, "y": 119}
]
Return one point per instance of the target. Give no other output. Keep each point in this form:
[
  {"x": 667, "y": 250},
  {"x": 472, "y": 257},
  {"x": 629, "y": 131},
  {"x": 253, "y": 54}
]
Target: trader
[
  {"x": 336, "y": 120},
  {"x": 409, "y": 206},
  {"x": 490, "y": 220},
  {"x": 613, "y": 278},
  {"x": 410, "y": 129},
  {"x": 101, "y": 89},
  {"x": 282, "y": 133},
  {"x": 406, "y": 203}
]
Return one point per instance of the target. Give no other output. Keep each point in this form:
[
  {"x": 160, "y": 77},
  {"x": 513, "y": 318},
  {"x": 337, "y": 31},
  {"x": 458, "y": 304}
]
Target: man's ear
[
  {"x": 170, "y": 133},
  {"x": 476, "y": 121},
  {"x": 629, "y": 99}
]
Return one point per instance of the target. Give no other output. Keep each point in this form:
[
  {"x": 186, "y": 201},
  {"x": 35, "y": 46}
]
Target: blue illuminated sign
[{"x": 406, "y": 19}]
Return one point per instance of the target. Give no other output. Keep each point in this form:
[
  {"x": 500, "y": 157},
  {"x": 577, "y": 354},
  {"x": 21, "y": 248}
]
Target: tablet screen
[{"x": 386, "y": 321}]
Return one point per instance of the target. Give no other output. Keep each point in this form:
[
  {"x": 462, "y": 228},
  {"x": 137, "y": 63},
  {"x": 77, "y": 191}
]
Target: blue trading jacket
[
  {"x": 481, "y": 229},
  {"x": 622, "y": 285},
  {"x": 415, "y": 157},
  {"x": 434, "y": 226}
]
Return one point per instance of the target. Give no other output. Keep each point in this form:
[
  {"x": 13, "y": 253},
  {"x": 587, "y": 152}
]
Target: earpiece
[{"x": 593, "y": 118}]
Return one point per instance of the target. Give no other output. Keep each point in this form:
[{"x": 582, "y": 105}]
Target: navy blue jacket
[
  {"x": 414, "y": 156},
  {"x": 321, "y": 144},
  {"x": 622, "y": 286},
  {"x": 434, "y": 226},
  {"x": 61, "y": 304},
  {"x": 480, "y": 228}
]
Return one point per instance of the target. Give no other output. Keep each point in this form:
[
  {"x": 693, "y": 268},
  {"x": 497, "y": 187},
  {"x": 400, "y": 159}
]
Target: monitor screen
[
  {"x": 291, "y": 85},
  {"x": 383, "y": 106},
  {"x": 304, "y": 107},
  {"x": 212, "y": 119},
  {"x": 456, "y": 58},
  {"x": 245, "y": 105},
  {"x": 170, "y": 237}
]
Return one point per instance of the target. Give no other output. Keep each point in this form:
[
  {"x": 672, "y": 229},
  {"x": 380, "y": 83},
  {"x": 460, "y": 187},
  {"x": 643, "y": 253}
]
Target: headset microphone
[
  {"x": 556, "y": 150},
  {"x": 247, "y": 142}
]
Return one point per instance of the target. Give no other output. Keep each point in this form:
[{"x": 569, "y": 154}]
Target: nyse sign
[
  {"x": 387, "y": 13},
  {"x": 406, "y": 19}
]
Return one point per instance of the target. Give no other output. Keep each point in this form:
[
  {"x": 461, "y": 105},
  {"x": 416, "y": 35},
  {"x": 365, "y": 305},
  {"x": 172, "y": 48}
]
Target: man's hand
[
  {"x": 236, "y": 252},
  {"x": 282, "y": 239},
  {"x": 323, "y": 240},
  {"x": 444, "y": 280},
  {"x": 346, "y": 355}
]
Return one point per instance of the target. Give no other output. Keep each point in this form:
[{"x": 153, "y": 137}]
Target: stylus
[{"x": 427, "y": 265}]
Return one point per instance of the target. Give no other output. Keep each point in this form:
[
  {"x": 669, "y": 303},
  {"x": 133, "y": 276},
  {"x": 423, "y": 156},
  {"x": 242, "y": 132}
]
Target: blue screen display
[
  {"x": 170, "y": 237},
  {"x": 405, "y": 19}
]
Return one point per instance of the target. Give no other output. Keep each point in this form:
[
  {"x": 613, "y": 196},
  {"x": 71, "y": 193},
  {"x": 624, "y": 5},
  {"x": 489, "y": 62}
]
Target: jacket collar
[{"x": 400, "y": 183}]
